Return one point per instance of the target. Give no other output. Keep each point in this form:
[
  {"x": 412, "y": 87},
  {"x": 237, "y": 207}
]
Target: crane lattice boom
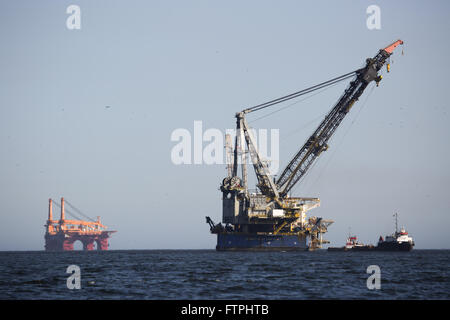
[{"x": 317, "y": 143}]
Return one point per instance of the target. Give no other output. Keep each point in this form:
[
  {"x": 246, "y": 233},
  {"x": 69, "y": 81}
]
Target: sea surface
[{"x": 207, "y": 274}]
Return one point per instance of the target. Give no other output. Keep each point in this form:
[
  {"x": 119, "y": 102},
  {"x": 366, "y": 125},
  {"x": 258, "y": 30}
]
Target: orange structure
[{"x": 61, "y": 234}]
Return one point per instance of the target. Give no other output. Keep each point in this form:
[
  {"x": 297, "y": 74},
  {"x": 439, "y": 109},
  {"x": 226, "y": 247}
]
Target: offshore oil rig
[
  {"x": 61, "y": 234},
  {"x": 270, "y": 219}
]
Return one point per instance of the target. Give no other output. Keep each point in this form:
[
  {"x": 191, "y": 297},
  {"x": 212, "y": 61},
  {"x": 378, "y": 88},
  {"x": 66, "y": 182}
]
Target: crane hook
[{"x": 378, "y": 79}]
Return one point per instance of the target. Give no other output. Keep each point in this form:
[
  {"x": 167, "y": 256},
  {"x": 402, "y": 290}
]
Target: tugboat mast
[{"x": 396, "y": 222}]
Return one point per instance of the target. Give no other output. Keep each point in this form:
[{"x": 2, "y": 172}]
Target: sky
[{"x": 87, "y": 114}]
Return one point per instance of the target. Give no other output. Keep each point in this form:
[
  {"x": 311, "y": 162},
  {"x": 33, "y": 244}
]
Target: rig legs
[{"x": 64, "y": 242}]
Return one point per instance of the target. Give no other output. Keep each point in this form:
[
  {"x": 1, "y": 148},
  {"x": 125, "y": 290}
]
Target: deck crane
[{"x": 272, "y": 211}]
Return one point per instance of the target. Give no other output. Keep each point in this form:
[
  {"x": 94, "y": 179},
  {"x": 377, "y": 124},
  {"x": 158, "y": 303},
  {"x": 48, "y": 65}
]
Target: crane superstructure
[{"x": 270, "y": 218}]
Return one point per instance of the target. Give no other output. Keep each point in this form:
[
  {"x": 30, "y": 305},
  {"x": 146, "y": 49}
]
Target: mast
[{"x": 396, "y": 222}]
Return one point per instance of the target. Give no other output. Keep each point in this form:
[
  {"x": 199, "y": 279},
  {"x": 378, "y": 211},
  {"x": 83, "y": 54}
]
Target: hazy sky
[{"x": 161, "y": 65}]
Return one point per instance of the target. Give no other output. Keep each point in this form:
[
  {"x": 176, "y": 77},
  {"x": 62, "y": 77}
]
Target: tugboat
[
  {"x": 399, "y": 241},
  {"x": 352, "y": 244}
]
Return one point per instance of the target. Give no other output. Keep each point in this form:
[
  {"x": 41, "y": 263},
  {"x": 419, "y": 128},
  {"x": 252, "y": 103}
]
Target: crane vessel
[{"x": 271, "y": 219}]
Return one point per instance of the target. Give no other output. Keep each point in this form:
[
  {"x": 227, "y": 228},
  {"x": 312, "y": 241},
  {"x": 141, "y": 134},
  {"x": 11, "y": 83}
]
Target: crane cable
[
  {"x": 290, "y": 105},
  {"x": 342, "y": 140},
  {"x": 73, "y": 215},
  {"x": 301, "y": 92},
  {"x": 79, "y": 211}
]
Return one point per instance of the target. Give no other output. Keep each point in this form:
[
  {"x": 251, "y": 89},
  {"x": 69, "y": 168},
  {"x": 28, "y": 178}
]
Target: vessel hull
[
  {"x": 394, "y": 246},
  {"x": 260, "y": 242},
  {"x": 362, "y": 248},
  {"x": 381, "y": 247}
]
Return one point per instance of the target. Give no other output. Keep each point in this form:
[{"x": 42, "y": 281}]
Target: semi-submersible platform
[
  {"x": 270, "y": 219},
  {"x": 60, "y": 235}
]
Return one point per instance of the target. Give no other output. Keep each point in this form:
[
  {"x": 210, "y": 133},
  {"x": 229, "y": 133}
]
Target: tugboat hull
[{"x": 358, "y": 248}]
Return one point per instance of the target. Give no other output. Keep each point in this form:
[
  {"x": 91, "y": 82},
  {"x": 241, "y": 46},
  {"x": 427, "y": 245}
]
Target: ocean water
[{"x": 207, "y": 274}]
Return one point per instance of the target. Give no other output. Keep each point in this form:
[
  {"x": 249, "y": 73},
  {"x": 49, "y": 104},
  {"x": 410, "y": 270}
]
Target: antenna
[{"x": 396, "y": 222}]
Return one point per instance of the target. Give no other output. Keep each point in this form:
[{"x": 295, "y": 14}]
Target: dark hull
[
  {"x": 405, "y": 246},
  {"x": 260, "y": 242},
  {"x": 340, "y": 249},
  {"x": 394, "y": 246}
]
